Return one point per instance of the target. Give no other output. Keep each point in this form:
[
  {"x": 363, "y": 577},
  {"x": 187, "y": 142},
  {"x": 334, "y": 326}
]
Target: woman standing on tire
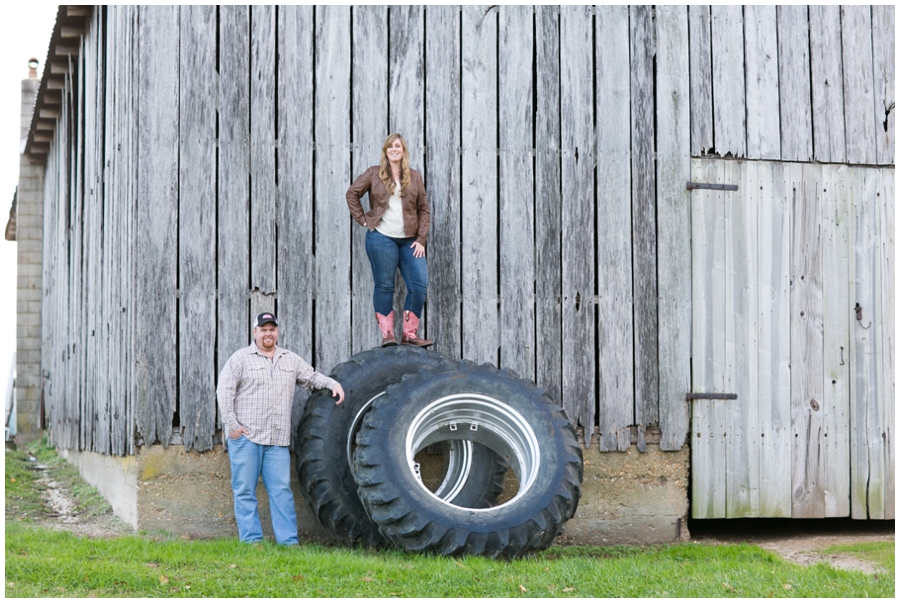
[{"x": 398, "y": 227}]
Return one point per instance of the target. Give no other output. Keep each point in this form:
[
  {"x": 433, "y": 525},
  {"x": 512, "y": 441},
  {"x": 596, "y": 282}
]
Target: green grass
[
  {"x": 881, "y": 553},
  {"x": 46, "y": 563}
]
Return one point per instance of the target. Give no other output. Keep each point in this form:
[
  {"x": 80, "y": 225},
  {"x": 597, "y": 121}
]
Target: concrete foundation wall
[{"x": 628, "y": 498}]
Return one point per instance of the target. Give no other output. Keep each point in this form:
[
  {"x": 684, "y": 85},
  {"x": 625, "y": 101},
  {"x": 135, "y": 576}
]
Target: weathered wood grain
[
  {"x": 643, "y": 220},
  {"x": 480, "y": 316},
  {"x": 701, "y": 79},
  {"x": 761, "y": 58},
  {"x": 807, "y": 363},
  {"x": 615, "y": 320},
  {"x": 296, "y": 268},
  {"x": 673, "y": 169},
  {"x": 233, "y": 184},
  {"x": 728, "y": 95},
  {"x": 884, "y": 53},
  {"x": 773, "y": 190},
  {"x": 859, "y": 82},
  {"x": 92, "y": 385},
  {"x": 836, "y": 338},
  {"x": 827, "y": 83},
  {"x": 548, "y": 203},
  {"x": 156, "y": 225},
  {"x": 708, "y": 341},
  {"x": 263, "y": 192},
  {"x": 442, "y": 173},
  {"x": 742, "y": 342},
  {"x": 887, "y": 349},
  {"x": 794, "y": 84},
  {"x": 332, "y": 175},
  {"x": 370, "y": 128},
  {"x": 197, "y": 227},
  {"x": 577, "y": 144},
  {"x": 876, "y": 429},
  {"x": 516, "y": 182},
  {"x": 406, "y": 65},
  {"x": 294, "y": 101}
]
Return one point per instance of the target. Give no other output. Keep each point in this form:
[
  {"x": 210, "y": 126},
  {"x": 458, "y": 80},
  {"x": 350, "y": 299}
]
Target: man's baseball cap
[{"x": 263, "y": 318}]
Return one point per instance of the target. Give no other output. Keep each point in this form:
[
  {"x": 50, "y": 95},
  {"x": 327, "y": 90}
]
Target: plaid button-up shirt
[{"x": 258, "y": 393}]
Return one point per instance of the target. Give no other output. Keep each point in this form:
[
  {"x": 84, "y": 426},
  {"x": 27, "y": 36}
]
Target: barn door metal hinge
[
  {"x": 710, "y": 396},
  {"x": 712, "y": 187}
]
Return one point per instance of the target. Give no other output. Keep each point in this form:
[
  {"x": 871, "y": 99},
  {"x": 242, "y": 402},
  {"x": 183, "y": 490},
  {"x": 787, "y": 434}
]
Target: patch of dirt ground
[
  {"x": 62, "y": 513},
  {"x": 802, "y": 541}
]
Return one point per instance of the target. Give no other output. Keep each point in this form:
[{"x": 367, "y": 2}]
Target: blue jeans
[
  {"x": 248, "y": 461},
  {"x": 386, "y": 254}
]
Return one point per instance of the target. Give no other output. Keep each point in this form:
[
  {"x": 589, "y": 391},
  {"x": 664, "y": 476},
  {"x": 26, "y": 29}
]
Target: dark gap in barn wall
[
  {"x": 809, "y": 54},
  {"x": 634, "y": 351},
  {"x": 596, "y": 225},
  {"x": 655, "y": 197},
  {"x": 388, "y": 95},
  {"x": 176, "y": 418},
  {"x": 424, "y": 160},
  {"x": 534, "y": 190},
  {"x": 277, "y": 195},
  {"x": 352, "y": 151},
  {"x": 312, "y": 128},
  {"x": 500, "y": 242},
  {"x": 712, "y": 89},
  {"x": 459, "y": 247}
]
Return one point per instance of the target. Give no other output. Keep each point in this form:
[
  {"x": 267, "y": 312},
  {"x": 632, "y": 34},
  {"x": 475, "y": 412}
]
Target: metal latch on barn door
[{"x": 711, "y": 187}]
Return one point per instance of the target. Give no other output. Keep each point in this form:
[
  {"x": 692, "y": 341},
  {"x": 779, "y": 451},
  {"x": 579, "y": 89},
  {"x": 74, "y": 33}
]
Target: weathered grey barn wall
[{"x": 202, "y": 153}]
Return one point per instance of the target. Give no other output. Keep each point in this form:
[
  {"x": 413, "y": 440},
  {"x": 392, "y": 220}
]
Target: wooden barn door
[{"x": 779, "y": 267}]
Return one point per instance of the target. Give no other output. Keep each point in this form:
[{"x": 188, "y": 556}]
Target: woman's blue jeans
[
  {"x": 248, "y": 461},
  {"x": 386, "y": 254}
]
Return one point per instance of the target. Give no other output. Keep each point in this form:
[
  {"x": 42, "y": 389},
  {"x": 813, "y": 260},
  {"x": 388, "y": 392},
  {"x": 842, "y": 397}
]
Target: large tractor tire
[
  {"x": 478, "y": 404},
  {"x": 473, "y": 475}
]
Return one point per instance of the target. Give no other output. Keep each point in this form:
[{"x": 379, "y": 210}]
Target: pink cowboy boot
[
  {"x": 386, "y": 326},
  {"x": 410, "y": 326}
]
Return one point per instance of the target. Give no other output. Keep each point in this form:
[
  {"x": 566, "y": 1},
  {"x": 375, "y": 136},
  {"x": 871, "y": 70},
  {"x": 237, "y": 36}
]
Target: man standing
[{"x": 255, "y": 394}]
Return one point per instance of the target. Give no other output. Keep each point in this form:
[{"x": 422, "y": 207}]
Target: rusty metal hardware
[
  {"x": 712, "y": 187},
  {"x": 710, "y": 396}
]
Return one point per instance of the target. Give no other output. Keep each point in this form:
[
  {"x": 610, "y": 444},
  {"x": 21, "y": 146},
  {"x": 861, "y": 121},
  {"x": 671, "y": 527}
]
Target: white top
[{"x": 391, "y": 224}]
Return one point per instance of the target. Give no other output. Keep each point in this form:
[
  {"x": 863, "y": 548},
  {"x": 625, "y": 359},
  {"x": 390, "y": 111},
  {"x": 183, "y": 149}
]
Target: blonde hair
[{"x": 384, "y": 172}]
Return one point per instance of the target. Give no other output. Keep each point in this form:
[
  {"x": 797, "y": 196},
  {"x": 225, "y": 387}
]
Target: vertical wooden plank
[
  {"x": 836, "y": 338},
  {"x": 861, "y": 356},
  {"x": 807, "y": 368},
  {"x": 406, "y": 65},
  {"x": 729, "y": 101},
  {"x": 548, "y": 203},
  {"x": 406, "y": 69},
  {"x": 442, "y": 167},
  {"x": 859, "y": 95},
  {"x": 761, "y": 57},
  {"x": 157, "y": 206},
  {"x": 370, "y": 128},
  {"x": 775, "y": 435},
  {"x": 876, "y": 428},
  {"x": 643, "y": 221},
  {"x": 332, "y": 173},
  {"x": 91, "y": 397},
  {"x": 742, "y": 311},
  {"x": 133, "y": 78},
  {"x": 827, "y": 83},
  {"x": 886, "y": 354},
  {"x": 884, "y": 52},
  {"x": 793, "y": 81},
  {"x": 233, "y": 185},
  {"x": 516, "y": 214},
  {"x": 674, "y": 224},
  {"x": 701, "y": 79},
  {"x": 576, "y": 119},
  {"x": 480, "y": 318},
  {"x": 197, "y": 226},
  {"x": 615, "y": 320},
  {"x": 296, "y": 270},
  {"x": 294, "y": 229},
  {"x": 708, "y": 341},
  {"x": 262, "y": 150}
]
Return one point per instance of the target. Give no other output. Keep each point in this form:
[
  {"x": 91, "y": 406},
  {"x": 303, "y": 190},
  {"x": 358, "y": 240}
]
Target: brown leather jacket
[{"x": 416, "y": 216}]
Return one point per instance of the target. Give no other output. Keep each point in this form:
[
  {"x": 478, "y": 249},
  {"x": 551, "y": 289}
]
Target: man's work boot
[
  {"x": 386, "y": 326},
  {"x": 410, "y": 327}
]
